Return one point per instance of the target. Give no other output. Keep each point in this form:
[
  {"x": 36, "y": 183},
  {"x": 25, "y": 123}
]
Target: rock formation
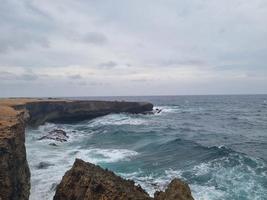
[
  {"x": 176, "y": 190},
  {"x": 86, "y": 181},
  {"x": 15, "y": 113},
  {"x": 14, "y": 170},
  {"x": 57, "y": 135}
]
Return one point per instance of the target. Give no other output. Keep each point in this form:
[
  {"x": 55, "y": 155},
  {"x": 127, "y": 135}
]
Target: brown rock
[
  {"x": 86, "y": 181},
  {"x": 176, "y": 190},
  {"x": 14, "y": 170}
]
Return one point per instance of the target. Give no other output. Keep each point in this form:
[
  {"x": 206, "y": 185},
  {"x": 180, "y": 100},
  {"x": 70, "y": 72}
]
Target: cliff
[
  {"x": 15, "y": 114},
  {"x": 86, "y": 181},
  {"x": 14, "y": 170}
]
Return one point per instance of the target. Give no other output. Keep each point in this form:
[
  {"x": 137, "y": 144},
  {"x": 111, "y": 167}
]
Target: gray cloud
[
  {"x": 21, "y": 42},
  {"x": 109, "y": 64},
  {"x": 95, "y": 38},
  {"x": 28, "y": 77},
  {"x": 7, "y": 76},
  {"x": 193, "y": 42},
  {"x": 75, "y": 76}
]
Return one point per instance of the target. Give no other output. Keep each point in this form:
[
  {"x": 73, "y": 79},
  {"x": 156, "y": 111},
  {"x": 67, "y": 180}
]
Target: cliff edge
[{"x": 15, "y": 114}]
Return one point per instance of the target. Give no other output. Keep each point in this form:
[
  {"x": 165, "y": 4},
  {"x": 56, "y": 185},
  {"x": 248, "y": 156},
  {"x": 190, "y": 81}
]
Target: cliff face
[
  {"x": 86, "y": 181},
  {"x": 15, "y": 113},
  {"x": 14, "y": 170},
  {"x": 71, "y": 111}
]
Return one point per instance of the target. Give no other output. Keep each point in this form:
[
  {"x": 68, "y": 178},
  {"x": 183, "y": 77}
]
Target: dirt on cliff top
[{"x": 8, "y": 115}]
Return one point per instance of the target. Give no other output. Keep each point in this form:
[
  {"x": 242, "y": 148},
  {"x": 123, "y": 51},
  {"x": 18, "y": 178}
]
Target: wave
[
  {"x": 234, "y": 176},
  {"x": 76, "y": 132},
  {"x": 117, "y": 119},
  {"x": 97, "y": 155}
]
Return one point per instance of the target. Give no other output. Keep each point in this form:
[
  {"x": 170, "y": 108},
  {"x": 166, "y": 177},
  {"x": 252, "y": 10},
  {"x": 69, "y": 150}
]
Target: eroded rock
[
  {"x": 86, "y": 181},
  {"x": 176, "y": 190},
  {"x": 57, "y": 135},
  {"x": 90, "y": 182}
]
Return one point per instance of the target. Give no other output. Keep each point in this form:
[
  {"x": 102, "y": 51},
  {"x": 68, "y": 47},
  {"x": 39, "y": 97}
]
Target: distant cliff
[
  {"x": 15, "y": 114},
  {"x": 86, "y": 181}
]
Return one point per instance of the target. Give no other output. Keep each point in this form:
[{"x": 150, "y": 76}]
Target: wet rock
[
  {"x": 155, "y": 111},
  {"x": 53, "y": 144},
  {"x": 86, "y": 181},
  {"x": 44, "y": 165},
  {"x": 57, "y": 135},
  {"x": 53, "y": 187}
]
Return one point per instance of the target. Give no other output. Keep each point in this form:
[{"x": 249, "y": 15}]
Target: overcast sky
[{"x": 132, "y": 47}]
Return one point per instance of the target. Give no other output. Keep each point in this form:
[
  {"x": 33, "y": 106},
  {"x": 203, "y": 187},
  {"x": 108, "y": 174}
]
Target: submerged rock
[
  {"x": 53, "y": 144},
  {"x": 153, "y": 112},
  {"x": 44, "y": 165},
  {"x": 86, "y": 181},
  {"x": 57, "y": 135},
  {"x": 53, "y": 187}
]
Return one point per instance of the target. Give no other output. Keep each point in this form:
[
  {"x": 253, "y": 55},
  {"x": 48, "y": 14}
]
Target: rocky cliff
[
  {"x": 86, "y": 181},
  {"x": 16, "y": 113},
  {"x": 14, "y": 170}
]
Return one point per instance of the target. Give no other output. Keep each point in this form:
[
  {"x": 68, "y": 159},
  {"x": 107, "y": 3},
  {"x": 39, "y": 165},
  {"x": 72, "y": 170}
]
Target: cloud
[
  {"x": 75, "y": 76},
  {"x": 28, "y": 77},
  {"x": 109, "y": 64},
  {"x": 176, "y": 45},
  {"x": 8, "y": 76},
  {"x": 95, "y": 38}
]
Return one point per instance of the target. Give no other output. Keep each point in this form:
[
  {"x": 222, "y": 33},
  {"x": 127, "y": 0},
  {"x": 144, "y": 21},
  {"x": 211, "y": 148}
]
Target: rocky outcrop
[
  {"x": 176, "y": 190},
  {"x": 57, "y": 135},
  {"x": 86, "y": 181},
  {"x": 15, "y": 113}
]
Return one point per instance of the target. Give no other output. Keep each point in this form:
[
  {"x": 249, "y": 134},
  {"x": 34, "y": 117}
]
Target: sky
[{"x": 132, "y": 47}]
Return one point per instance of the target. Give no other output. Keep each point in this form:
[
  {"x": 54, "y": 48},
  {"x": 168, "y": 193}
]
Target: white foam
[
  {"x": 117, "y": 119},
  {"x": 206, "y": 193},
  {"x": 167, "y": 109},
  {"x": 97, "y": 155},
  {"x": 71, "y": 130},
  {"x": 62, "y": 157}
]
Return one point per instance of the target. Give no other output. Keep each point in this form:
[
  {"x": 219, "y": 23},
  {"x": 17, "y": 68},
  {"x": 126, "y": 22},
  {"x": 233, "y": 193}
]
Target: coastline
[{"x": 16, "y": 114}]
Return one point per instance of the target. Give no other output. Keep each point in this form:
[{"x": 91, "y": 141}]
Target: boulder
[{"x": 57, "y": 135}]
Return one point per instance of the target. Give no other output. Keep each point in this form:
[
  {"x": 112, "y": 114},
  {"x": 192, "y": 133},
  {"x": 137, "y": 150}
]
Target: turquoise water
[{"x": 217, "y": 144}]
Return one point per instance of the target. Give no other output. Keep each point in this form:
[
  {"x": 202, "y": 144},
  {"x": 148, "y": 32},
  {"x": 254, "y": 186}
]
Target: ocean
[{"x": 217, "y": 144}]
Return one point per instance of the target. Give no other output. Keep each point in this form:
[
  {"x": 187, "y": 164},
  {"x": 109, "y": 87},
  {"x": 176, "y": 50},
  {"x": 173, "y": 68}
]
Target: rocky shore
[{"x": 84, "y": 180}]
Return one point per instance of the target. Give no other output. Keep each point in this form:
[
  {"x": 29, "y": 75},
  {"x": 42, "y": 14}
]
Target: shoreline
[{"x": 16, "y": 114}]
